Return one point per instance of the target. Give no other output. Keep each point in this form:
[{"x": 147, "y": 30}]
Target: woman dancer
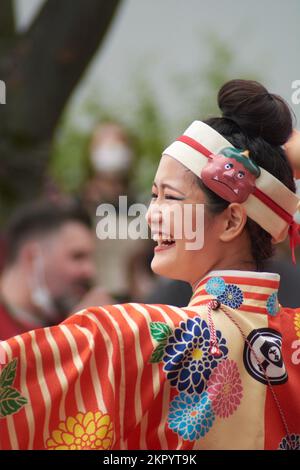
[{"x": 222, "y": 373}]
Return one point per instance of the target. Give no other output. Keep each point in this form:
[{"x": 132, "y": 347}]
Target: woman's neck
[{"x": 226, "y": 266}]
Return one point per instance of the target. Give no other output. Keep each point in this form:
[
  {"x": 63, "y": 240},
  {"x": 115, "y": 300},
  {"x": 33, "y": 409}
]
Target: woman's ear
[{"x": 233, "y": 223}]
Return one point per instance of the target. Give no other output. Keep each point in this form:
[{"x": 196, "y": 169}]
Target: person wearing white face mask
[
  {"x": 111, "y": 158},
  {"x": 49, "y": 266}
]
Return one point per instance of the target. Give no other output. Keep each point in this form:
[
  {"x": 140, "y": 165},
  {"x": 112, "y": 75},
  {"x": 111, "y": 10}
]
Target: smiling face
[
  {"x": 229, "y": 177},
  {"x": 174, "y": 188},
  {"x": 226, "y": 243}
]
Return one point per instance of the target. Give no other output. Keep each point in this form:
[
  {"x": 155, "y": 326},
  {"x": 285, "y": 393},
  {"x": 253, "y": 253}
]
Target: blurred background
[{"x": 91, "y": 82}]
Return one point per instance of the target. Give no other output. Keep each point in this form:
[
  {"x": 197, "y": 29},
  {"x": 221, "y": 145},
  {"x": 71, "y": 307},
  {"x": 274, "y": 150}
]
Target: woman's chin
[{"x": 165, "y": 265}]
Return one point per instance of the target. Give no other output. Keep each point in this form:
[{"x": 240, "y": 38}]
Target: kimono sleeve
[{"x": 77, "y": 385}]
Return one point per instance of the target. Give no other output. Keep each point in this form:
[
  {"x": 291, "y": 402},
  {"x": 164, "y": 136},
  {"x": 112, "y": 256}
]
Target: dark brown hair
[
  {"x": 38, "y": 220},
  {"x": 259, "y": 121}
]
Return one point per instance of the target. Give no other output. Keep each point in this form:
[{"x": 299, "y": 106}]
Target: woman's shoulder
[
  {"x": 130, "y": 312},
  {"x": 131, "y": 316}
]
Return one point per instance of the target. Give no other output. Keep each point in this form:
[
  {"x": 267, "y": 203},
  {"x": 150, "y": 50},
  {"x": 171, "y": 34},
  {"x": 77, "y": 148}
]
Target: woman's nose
[{"x": 154, "y": 214}]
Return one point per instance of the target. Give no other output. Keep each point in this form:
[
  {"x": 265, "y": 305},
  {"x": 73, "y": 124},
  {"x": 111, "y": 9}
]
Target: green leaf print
[
  {"x": 8, "y": 374},
  {"x": 158, "y": 353},
  {"x": 160, "y": 331},
  {"x": 11, "y": 401}
]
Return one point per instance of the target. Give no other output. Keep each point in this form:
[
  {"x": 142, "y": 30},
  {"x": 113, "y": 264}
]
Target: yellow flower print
[
  {"x": 297, "y": 324},
  {"x": 84, "y": 432}
]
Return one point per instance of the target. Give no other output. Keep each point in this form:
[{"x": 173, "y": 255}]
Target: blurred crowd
[{"x": 52, "y": 263}]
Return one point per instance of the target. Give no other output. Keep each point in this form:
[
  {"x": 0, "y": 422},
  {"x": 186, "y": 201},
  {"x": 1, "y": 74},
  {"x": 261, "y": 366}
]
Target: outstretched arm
[{"x": 86, "y": 383}]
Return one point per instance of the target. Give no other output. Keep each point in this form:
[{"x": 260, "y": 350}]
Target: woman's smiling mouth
[{"x": 163, "y": 241}]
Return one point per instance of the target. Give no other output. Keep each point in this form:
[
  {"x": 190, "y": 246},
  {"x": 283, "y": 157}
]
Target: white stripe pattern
[
  {"x": 59, "y": 372},
  {"x": 42, "y": 383},
  {"x": 139, "y": 358},
  {"x": 93, "y": 369},
  {"x": 108, "y": 346},
  {"x": 123, "y": 383},
  {"x": 24, "y": 389},
  {"x": 78, "y": 365}
]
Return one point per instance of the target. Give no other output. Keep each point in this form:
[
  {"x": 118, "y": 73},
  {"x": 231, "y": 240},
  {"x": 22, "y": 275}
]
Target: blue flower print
[
  {"x": 187, "y": 359},
  {"x": 285, "y": 443},
  {"x": 232, "y": 296},
  {"x": 215, "y": 286},
  {"x": 191, "y": 416},
  {"x": 272, "y": 304}
]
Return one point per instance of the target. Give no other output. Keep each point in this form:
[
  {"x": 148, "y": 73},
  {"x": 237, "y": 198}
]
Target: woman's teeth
[{"x": 163, "y": 240}]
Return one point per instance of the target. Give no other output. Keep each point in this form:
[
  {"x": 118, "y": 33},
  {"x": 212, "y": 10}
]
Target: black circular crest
[{"x": 266, "y": 343}]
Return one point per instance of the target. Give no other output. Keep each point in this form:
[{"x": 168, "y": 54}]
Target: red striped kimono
[{"x": 147, "y": 377}]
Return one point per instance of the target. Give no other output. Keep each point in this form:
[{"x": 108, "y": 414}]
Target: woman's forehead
[{"x": 171, "y": 171}]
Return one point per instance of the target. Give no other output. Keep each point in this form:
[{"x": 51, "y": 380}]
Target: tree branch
[
  {"x": 49, "y": 60},
  {"x": 40, "y": 71},
  {"x": 7, "y": 20}
]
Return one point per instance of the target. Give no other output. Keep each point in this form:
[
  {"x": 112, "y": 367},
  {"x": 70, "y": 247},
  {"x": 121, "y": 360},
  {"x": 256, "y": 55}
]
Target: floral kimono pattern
[{"x": 138, "y": 376}]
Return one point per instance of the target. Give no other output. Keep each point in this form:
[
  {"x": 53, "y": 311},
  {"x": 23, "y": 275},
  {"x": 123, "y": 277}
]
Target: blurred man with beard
[{"x": 49, "y": 266}]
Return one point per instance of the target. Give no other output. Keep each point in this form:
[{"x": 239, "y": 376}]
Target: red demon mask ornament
[{"x": 231, "y": 174}]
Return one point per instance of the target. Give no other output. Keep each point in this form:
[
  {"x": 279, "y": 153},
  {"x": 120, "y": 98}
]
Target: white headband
[{"x": 272, "y": 205}]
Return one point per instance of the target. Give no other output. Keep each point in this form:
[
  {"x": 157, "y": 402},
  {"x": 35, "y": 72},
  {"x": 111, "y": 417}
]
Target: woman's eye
[
  {"x": 241, "y": 175},
  {"x": 168, "y": 196}
]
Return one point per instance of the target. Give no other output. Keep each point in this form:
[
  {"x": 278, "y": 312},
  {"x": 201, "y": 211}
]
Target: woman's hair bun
[{"x": 255, "y": 111}]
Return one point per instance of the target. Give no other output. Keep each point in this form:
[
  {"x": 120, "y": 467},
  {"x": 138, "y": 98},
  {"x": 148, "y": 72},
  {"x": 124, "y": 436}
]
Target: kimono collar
[{"x": 246, "y": 291}]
